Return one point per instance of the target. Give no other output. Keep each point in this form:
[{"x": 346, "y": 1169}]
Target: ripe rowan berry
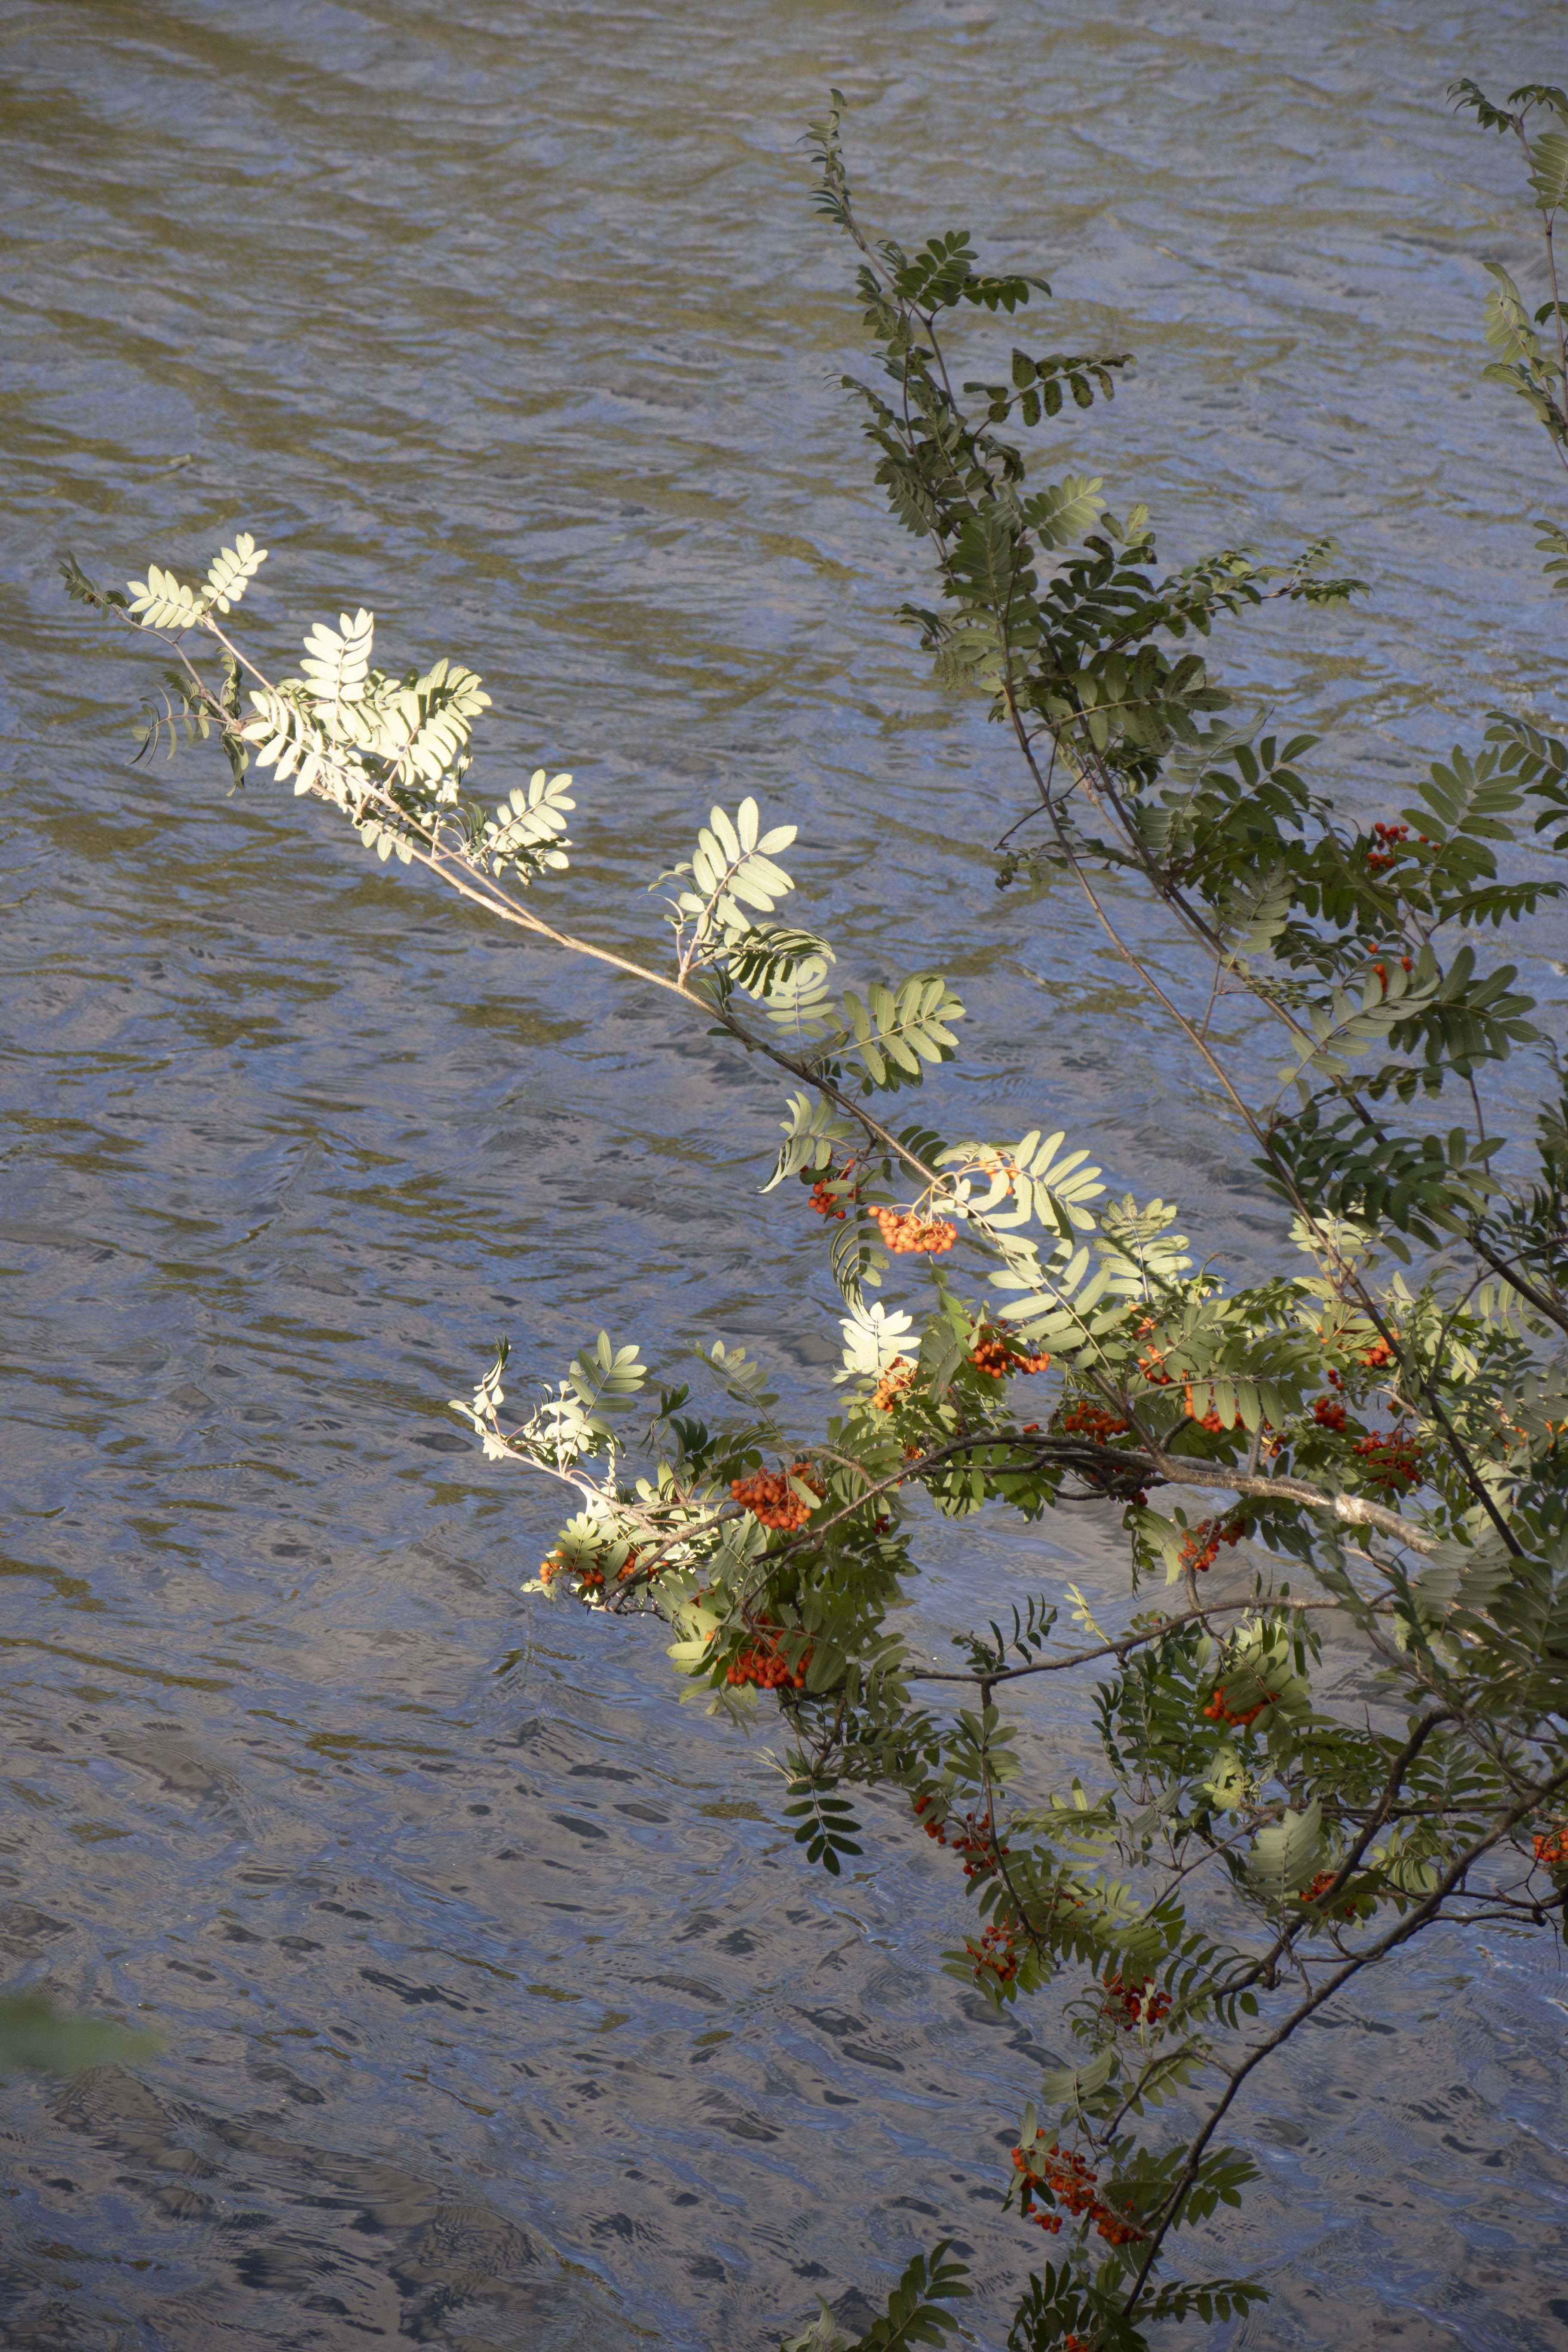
[
  {"x": 1201, "y": 1548},
  {"x": 763, "y": 1664},
  {"x": 769, "y": 1496},
  {"x": 977, "y": 1844},
  {"x": 1320, "y": 1887},
  {"x": 997, "y": 1354},
  {"x": 905, "y": 1231},
  {"x": 1391, "y": 837},
  {"x": 1218, "y": 1711},
  {"x": 894, "y": 1384},
  {"x": 1139, "y": 2005},
  {"x": 1209, "y": 1420},
  {"x": 1393, "y": 1459},
  {"x": 1083, "y": 1419},
  {"x": 1068, "y": 2180},
  {"x": 996, "y": 1955}
]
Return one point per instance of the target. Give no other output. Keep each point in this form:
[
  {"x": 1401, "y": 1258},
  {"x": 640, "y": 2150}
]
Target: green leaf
[
  {"x": 825, "y": 1824},
  {"x": 231, "y": 571},
  {"x": 824, "y": 2335},
  {"x": 732, "y": 869},
  {"x": 83, "y": 591},
  {"x": 529, "y": 828},
  {"x": 914, "y": 2314},
  {"x": 896, "y": 1031},
  {"x": 604, "y": 1375},
  {"x": 1549, "y": 170},
  {"x": 812, "y": 1130},
  {"x": 337, "y": 661},
  {"x": 161, "y": 602},
  {"x": 1070, "y": 2086},
  {"x": 1067, "y": 513},
  {"x": 1287, "y": 1855}
]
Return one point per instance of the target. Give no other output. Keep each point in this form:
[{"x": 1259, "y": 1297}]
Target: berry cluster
[
  {"x": 1086, "y": 1420},
  {"x": 1201, "y": 1548},
  {"x": 1069, "y": 2179},
  {"x": 765, "y": 1668},
  {"x": 995, "y": 1355},
  {"x": 904, "y": 1230},
  {"x": 994, "y": 1955},
  {"x": 1216, "y": 1710},
  {"x": 1551, "y": 1846},
  {"x": 552, "y": 1565},
  {"x": 1382, "y": 969},
  {"x": 1152, "y": 1364},
  {"x": 591, "y": 1579},
  {"x": 1139, "y": 2004},
  {"x": 1389, "y": 837},
  {"x": 982, "y": 1854},
  {"x": 1328, "y": 1412},
  {"x": 1394, "y": 1460},
  {"x": 894, "y": 1385},
  {"x": 830, "y": 1193},
  {"x": 769, "y": 1498},
  {"x": 1318, "y": 1888},
  {"x": 1209, "y": 1420},
  {"x": 1379, "y": 1354},
  {"x": 971, "y": 1838}
]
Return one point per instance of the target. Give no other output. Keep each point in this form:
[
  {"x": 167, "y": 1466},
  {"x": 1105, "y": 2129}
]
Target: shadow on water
[{"x": 498, "y": 2012}]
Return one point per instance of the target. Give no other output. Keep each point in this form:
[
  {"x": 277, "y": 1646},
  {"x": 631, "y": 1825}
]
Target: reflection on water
[{"x": 498, "y": 2012}]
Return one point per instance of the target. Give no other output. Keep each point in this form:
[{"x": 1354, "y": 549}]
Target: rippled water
[{"x": 497, "y": 2012}]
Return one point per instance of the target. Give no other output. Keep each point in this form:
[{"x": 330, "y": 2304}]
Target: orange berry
[
  {"x": 769, "y": 1498},
  {"x": 894, "y": 1384},
  {"x": 903, "y": 1231}
]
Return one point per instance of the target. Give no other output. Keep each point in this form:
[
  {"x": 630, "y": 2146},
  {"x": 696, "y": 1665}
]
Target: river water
[{"x": 497, "y": 2012}]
